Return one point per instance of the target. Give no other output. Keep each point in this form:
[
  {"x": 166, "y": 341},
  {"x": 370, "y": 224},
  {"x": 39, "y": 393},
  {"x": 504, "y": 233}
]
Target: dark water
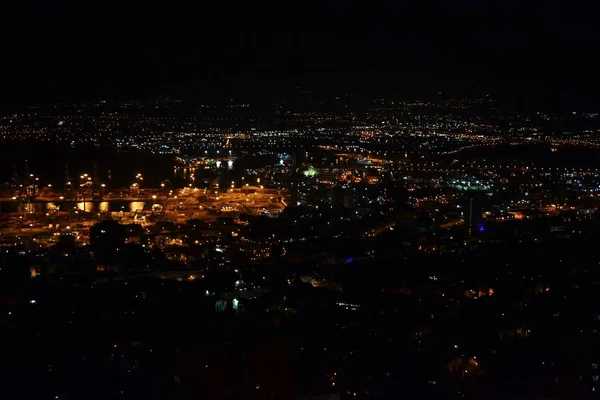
[
  {"x": 541, "y": 155},
  {"x": 48, "y": 162}
]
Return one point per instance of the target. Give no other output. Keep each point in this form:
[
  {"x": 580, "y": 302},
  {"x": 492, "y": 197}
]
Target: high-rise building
[
  {"x": 341, "y": 197},
  {"x": 473, "y": 214}
]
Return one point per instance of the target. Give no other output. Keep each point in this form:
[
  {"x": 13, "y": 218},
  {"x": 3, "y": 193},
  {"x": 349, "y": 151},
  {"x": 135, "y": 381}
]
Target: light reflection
[
  {"x": 87, "y": 206},
  {"x": 136, "y": 206}
]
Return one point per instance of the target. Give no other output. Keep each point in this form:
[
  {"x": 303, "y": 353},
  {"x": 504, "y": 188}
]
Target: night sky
[{"x": 70, "y": 50}]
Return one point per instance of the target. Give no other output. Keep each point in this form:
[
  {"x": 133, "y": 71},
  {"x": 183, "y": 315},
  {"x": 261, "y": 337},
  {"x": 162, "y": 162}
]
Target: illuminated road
[{"x": 384, "y": 227}]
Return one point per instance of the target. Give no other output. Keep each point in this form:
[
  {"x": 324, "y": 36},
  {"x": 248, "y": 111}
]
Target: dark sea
[{"x": 47, "y": 161}]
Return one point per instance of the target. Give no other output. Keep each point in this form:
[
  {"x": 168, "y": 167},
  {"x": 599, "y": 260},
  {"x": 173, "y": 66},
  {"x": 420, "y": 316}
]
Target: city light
[{"x": 454, "y": 206}]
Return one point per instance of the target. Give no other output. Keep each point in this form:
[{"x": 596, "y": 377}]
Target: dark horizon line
[{"x": 261, "y": 91}]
